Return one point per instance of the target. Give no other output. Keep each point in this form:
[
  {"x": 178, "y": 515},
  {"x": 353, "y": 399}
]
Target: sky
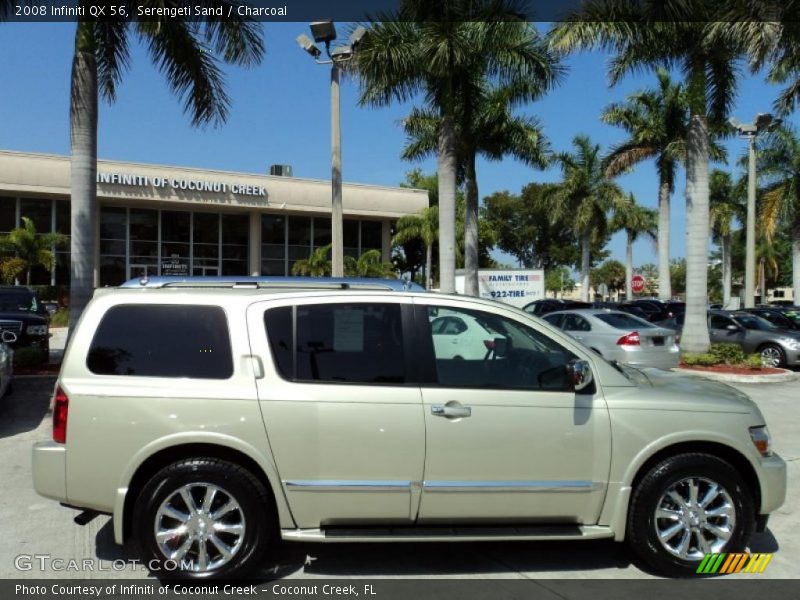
[{"x": 280, "y": 113}]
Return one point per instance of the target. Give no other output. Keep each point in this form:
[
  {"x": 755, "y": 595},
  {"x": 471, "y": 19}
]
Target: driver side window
[{"x": 494, "y": 352}]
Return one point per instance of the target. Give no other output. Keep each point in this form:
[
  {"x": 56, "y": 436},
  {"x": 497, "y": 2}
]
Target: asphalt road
[{"x": 32, "y": 525}]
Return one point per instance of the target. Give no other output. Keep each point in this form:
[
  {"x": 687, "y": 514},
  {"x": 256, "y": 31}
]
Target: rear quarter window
[{"x": 162, "y": 340}]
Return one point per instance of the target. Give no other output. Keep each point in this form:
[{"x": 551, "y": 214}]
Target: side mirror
[
  {"x": 580, "y": 374},
  {"x": 8, "y": 337}
]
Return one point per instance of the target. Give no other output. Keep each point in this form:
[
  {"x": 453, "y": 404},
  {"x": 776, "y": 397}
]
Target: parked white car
[
  {"x": 617, "y": 335},
  {"x": 461, "y": 336}
]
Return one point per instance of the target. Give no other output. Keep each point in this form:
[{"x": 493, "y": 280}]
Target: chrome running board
[{"x": 447, "y": 533}]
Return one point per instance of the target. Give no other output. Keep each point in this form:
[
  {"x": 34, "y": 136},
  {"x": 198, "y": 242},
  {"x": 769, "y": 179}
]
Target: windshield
[
  {"x": 624, "y": 321},
  {"x": 754, "y": 323},
  {"x": 18, "y": 300}
]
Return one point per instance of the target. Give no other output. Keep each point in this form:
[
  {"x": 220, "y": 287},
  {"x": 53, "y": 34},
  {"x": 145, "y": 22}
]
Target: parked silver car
[{"x": 620, "y": 336}]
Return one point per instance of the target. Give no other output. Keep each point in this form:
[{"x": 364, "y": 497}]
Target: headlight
[
  {"x": 36, "y": 330},
  {"x": 761, "y": 440}
]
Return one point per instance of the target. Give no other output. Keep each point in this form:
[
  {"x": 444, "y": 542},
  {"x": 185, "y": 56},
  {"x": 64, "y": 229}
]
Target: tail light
[
  {"x": 489, "y": 344},
  {"x": 632, "y": 339},
  {"x": 60, "y": 408}
]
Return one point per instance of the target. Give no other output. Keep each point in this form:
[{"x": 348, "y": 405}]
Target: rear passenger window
[
  {"x": 339, "y": 343},
  {"x": 160, "y": 340}
]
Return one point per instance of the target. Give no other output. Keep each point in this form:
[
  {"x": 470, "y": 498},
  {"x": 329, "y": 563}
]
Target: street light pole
[
  {"x": 337, "y": 225},
  {"x": 325, "y": 32},
  {"x": 750, "y": 234},
  {"x": 763, "y": 122}
]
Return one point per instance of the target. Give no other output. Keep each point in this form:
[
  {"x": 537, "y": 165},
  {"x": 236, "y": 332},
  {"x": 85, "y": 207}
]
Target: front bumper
[
  {"x": 772, "y": 477},
  {"x": 50, "y": 470}
]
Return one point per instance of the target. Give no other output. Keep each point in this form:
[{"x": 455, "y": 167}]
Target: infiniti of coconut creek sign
[{"x": 191, "y": 185}]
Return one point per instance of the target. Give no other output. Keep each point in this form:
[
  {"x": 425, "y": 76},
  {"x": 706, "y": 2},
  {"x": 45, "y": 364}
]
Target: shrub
[
  {"x": 753, "y": 361},
  {"x": 60, "y": 318},
  {"x": 29, "y": 357},
  {"x": 728, "y": 354},
  {"x": 705, "y": 359}
]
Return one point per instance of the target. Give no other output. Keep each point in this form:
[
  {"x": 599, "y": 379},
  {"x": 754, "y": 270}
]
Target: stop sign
[{"x": 637, "y": 284}]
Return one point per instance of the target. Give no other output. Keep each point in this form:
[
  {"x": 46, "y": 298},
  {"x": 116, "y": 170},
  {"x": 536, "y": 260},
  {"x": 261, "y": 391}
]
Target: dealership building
[{"x": 163, "y": 220}]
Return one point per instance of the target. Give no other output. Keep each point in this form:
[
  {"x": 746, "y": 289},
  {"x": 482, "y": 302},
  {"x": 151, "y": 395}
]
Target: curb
[{"x": 783, "y": 377}]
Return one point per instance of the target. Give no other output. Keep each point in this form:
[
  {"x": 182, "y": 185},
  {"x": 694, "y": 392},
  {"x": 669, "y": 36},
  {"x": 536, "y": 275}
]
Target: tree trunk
[
  {"x": 629, "y": 268},
  {"x": 83, "y": 138},
  {"x": 428, "y": 265},
  {"x": 28, "y": 277},
  {"x": 586, "y": 245},
  {"x": 726, "y": 270},
  {"x": 447, "y": 205},
  {"x": 695, "y": 336},
  {"x": 796, "y": 262},
  {"x": 471, "y": 231},
  {"x": 664, "y": 283}
]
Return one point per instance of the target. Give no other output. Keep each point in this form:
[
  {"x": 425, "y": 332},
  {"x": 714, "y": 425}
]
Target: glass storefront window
[
  {"x": 112, "y": 270},
  {"x": 8, "y": 214},
  {"x": 143, "y": 225},
  {"x": 113, "y": 223},
  {"x": 371, "y": 235},
  {"x": 350, "y": 237},
  {"x": 206, "y": 228},
  {"x": 63, "y": 217},
  {"x": 38, "y": 211},
  {"x": 175, "y": 226},
  {"x": 322, "y": 232},
  {"x": 235, "y": 229},
  {"x": 300, "y": 231}
]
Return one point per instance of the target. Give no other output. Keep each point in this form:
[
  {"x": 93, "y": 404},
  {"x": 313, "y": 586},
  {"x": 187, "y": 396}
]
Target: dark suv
[{"x": 23, "y": 313}]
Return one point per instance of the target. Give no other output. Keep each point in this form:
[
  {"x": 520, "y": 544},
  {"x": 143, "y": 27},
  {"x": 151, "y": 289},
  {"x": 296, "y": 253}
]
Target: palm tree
[
  {"x": 188, "y": 53},
  {"x": 493, "y": 132},
  {"x": 369, "y": 264},
  {"x": 656, "y": 121},
  {"x": 425, "y": 228},
  {"x": 673, "y": 34},
  {"x": 635, "y": 220},
  {"x": 440, "y": 50},
  {"x": 586, "y": 195},
  {"x": 726, "y": 204},
  {"x": 23, "y": 249},
  {"x": 318, "y": 264},
  {"x": 779, "y": 169}
]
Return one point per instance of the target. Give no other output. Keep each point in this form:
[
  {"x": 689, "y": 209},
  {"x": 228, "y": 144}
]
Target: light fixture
[
  {"x": 357, "y": 35},
  {"x": 323, "y": 31},
  {"x": 307, "y": 45}
]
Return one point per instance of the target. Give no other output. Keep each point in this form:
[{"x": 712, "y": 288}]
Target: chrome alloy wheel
[
  {"x": 770, "y": 357},
  {"x": 694, "y": 516},
  {"x": 200, "y": 523}
]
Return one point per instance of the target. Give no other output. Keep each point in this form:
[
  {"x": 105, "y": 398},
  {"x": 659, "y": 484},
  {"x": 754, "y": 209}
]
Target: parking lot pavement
[{"x": 35, "y": 526}]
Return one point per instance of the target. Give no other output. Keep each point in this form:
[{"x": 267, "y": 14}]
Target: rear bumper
[
  {"x": 50, "y": 470},
  {"x": 666, "y": 358}
]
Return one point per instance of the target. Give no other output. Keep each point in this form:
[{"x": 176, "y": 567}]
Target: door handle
[{"x": 451, "y": 412}]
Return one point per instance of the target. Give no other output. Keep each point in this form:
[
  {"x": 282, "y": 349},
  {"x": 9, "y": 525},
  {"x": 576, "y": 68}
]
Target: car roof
[{"x": 298, "y": 283}]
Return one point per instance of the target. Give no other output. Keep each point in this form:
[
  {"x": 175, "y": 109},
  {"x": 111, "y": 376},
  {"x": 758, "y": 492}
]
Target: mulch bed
[{"x": 733, "y": 370}]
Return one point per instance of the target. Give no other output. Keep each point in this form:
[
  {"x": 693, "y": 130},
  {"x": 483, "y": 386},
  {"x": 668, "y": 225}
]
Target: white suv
[{"x": 212, "y": 416}]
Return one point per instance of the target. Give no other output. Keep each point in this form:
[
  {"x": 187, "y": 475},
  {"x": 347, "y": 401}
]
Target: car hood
[
  {"x": 678, "y": 391},
  {"x": 29, "y": 318}
]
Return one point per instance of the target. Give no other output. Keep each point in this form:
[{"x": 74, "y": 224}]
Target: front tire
[
  {"x": 772, "y": 355},
  {"x": 203, "y": 518},
  {"x": 685, "y": 507}
]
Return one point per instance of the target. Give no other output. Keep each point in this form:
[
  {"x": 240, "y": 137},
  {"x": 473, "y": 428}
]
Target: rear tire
[
  {"x": 209, "y": 512},
  {"x": 671, "y": 527}
]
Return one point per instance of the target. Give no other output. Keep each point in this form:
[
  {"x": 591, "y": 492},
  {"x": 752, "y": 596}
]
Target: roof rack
[{"x": 275, "y": 282}]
